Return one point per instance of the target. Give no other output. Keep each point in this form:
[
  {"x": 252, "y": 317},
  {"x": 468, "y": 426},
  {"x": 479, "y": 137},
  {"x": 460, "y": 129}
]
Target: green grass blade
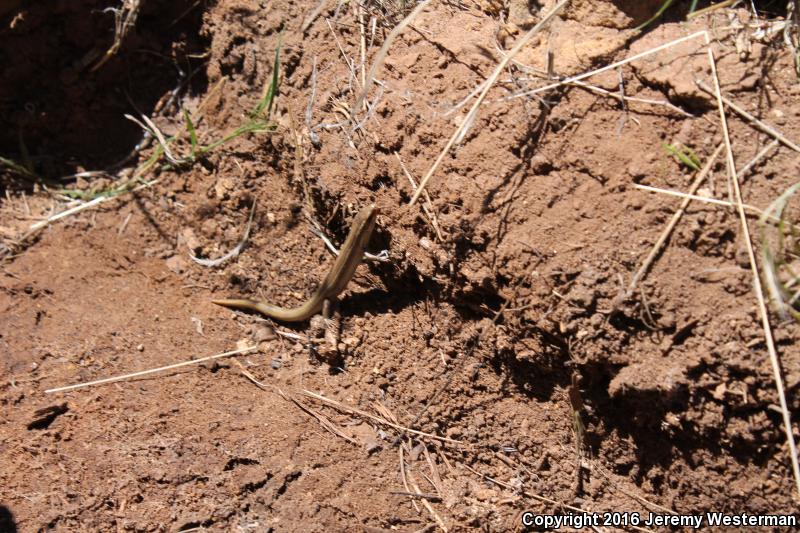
[
  {"x": 17, "y": 168},
  {"x": 26, "y": 156},
  {"x": 192, "y": 132},
  {"x": 255, "y": 126},
  {"x": 660, "y": 12},
  {"x": 689, "y": 153},
  {"x": 684, "y": 154},
  {"x": 272, "y": 90},
  {"x": 776, "y": 267}
]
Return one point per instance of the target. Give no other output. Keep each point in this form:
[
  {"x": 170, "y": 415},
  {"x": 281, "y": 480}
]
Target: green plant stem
[{"x": 660, "y": 12}]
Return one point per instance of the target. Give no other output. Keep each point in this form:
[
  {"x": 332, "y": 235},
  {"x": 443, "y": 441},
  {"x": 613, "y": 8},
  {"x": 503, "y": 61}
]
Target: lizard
[{"x": 338, "y": 277}]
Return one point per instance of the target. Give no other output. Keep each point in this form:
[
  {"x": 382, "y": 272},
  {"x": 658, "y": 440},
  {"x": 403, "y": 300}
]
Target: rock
[
  {"x": 177, "y": 264},
  {"x": 209, "y": 228},
  {"x": 190, "y": 238},
  {"x": 223, "y": 187},
  {"x": 263, "y": 333},
  {"x": 519, "y": 13},
  {"x": 484, "y": 494}
]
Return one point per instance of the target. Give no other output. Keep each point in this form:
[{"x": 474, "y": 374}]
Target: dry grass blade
[
  {"x": 573, "y": 79},
  {"x": 756, "y": 211},
  {"x": 81, "y": 207},
  {"x": 378, "y": 61},
  {"x": 461, "y": 130},
  {"x": 427, "y": 504},
  {"x": 250, "y": 376},
  {"x": 431, "y": 497},
  {"x": 150, "y": 127},
  {"x": 428, "y": 205},
  {"x": 312, "y": 16},
  {"x": 404, "y": 477},
  {"x": 597, "y": 467},
  {"x": 364, "y": 414},
  {"x": 71, "y": 211},
  {"x": 322, "y": 419},
  {"x": 436, "y": 479},
  {"x": 791, "y": 32},
  {"x": 762, "y": 306},
  {"x": 527, "y": 494},
  {"x": 776, "y": 261},
  {"x": 763, "y": 126},
  {"x": 672, "y": 223},
  {"x": 759, "y": 156},
  {"x": 709, "y": 9},
  {"x": 150, "y": 371},
  {"x": 124, "y": 20},
  {"x": 617, "y": 96},
  {"x": 316, "y": 229},
  {"x": 235, "y": 251}
]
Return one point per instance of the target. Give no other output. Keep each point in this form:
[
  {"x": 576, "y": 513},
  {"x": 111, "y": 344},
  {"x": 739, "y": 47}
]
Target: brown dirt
[{"x": 537, "y": 210}]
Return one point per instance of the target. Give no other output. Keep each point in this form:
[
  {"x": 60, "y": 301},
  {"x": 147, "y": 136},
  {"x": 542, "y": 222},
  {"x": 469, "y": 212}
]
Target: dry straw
[
  {"x": 762, "y": 306},
  {"x": 769, "y": 340},
  {"x": 470, "y": 118},
  {"x": 149, "y": 371}
]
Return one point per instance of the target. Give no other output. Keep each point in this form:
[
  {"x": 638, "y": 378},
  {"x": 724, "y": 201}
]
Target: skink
[{"x": 334, "y": 283}]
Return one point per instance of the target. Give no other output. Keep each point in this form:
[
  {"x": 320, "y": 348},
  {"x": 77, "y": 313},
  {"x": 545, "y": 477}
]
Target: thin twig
[
  {"x": 347, "y": 60},
  {"x": 527, "y": 494},
  {"x": 436, "y": 479},
  {"x": 381, "y": 55},
  {"x": 323, "y": 420},
  {"x": 624, "y": 98},
  {"x": 583, "y": 85},
  {"x": 150, "y": 371},
  {"x": 312, "y": 16},
  {"x": 596, "y": 466},
  {"x": 246, "y": 373},
  {"x": 763, "y": 126},
  {"x": 404, "y": 477},
  {"x": 470, "y": 117},
  {"x": 762, "y": 306},
  {"x": 715, "y": 201},
  {"x": 578, "y": 77},
  {"x": 759, "y": 156},
  {"x": 359, "y": 412},
  {"x": 235, "y": 251},
  {"x": 124, "y": 224},
  {"x": 363, "y": 46},
  {"x": 427, "y": 504},
  {"x": 428, "y": 205},
  {"x": 431, "y": 497},
  {"x": 672, "y": 223}
]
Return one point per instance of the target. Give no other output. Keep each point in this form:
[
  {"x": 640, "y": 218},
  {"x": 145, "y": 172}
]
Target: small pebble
[
  {"x": 263, "y": 333},
  {"x": 140, "y": 348}
]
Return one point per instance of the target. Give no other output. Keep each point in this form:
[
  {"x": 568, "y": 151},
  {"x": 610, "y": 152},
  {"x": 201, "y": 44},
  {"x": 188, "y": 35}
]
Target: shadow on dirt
[
  {"x": 7, "y": 522},
  {"x": 641, "y": 11},
  {"x": 664, "y": 427},
  {"x": 59, "y": 114}
]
